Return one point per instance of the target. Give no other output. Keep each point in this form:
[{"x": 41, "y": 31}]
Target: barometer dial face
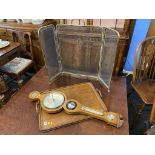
[{"x": 53, "y": 100}]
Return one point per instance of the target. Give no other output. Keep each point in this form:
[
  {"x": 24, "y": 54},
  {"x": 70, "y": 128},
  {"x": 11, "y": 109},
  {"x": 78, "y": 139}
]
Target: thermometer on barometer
[{"x": 55, "y": 101}]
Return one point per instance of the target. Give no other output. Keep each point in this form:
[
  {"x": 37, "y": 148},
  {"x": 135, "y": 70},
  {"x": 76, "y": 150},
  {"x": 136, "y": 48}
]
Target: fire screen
[{"x": 80, "y": 51}]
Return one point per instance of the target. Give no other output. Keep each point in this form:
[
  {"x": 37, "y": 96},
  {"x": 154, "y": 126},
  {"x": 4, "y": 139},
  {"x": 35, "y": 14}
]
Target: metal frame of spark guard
[{"x": 78, "y": 75}]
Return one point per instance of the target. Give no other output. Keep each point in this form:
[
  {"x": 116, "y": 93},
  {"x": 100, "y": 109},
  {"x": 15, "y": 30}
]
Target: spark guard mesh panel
[{"x": 80, "y": 51}]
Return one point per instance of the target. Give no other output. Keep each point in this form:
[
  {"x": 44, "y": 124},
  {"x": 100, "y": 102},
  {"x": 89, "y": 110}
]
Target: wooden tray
[{"x": 85, "y": 93}]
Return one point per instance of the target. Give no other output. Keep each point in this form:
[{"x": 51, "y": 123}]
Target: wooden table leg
[
  {"x": 152, "y": 116},
  {"x": 3, "y": 86}
]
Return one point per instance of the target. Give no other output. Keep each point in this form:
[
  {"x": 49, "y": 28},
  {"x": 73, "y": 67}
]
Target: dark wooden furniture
[
  {"x": 6, "y": 29},
  {"x": 151, "y": 123},
  {"x": 16, "y": 68},
  {"x": 24, "y": 38},
  {"x": 9, "y": 52},
  {"x": 3, "y": 86},
  {"x": 18, "y": 29},
  {"x": 13, "y": 65},
  {"x": 143, "y": 81},
  {"x": 152, "y": 115},
  {"x": 121, "y": 25},
  {"x": 19, "y": 116}
]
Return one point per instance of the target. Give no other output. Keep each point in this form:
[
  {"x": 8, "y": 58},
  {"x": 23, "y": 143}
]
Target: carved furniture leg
[
  {"x": 138, "y": 115},
  {"x": 20, "y": 83},
  {"x": 152, "y": 115},
  {"x": 1, "y": 100}
]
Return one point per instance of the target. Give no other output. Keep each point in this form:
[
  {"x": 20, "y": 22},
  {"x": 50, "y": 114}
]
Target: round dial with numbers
[{"x": 53, "y": 100}]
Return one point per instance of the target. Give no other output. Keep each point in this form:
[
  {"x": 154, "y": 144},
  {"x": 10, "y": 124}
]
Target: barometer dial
[{"x": 53, "y": 100}]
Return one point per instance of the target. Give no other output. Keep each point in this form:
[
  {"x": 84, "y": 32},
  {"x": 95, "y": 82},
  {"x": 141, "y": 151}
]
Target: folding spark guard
[{"x": 80, "y": 51}]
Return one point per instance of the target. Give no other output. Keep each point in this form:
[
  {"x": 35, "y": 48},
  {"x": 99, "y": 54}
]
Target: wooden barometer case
[{"x": 78, "y": 99}]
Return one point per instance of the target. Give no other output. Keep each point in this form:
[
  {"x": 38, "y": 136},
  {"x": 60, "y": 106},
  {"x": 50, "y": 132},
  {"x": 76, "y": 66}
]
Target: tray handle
[{"x": 99, "y": 92}]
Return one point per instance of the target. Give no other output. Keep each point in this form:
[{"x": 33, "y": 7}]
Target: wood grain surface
[
  {"x": 85, "y": 93},
  {"x": 9, "y": 52}
]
